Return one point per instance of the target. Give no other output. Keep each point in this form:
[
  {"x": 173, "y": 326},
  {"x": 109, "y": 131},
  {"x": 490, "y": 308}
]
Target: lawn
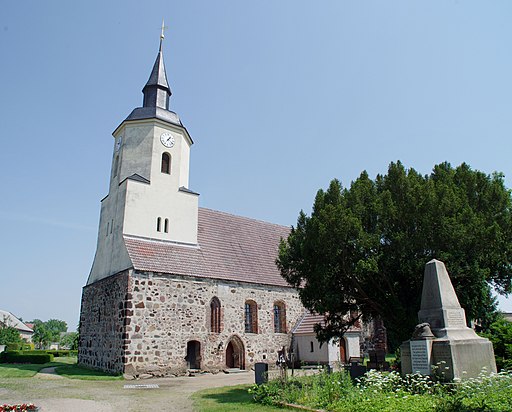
[
  {"x": 65, "y": 366},
  {"x": 27, "y": 370},
  {"x": 228, "y": 398}
]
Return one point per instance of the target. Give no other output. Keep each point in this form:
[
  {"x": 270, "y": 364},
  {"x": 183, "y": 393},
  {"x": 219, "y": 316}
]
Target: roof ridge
[{"x": 245, "y": 217}]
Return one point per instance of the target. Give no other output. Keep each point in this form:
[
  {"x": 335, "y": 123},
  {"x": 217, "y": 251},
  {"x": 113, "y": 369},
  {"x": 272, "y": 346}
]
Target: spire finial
[{"x": 162, "y": 35}]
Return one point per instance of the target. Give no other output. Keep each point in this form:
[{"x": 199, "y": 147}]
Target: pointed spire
[{"x": 157, "y": 91}]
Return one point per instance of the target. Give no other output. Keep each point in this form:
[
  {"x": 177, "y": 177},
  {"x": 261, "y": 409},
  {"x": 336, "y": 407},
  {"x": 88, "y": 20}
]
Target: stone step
[{"x": 235, "y": 370}]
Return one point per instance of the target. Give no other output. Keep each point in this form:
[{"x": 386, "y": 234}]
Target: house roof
[
  {"x": 305, "y": 326},
  {"x": 229, "y": 248},
  {"x": 8, "y": 319}
]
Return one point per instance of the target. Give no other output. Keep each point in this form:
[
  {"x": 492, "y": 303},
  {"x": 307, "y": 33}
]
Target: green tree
[
  {"x": 55, "y": 327},
  {"x": 500, "y": 334},
  {"x": 364, "y": 249},
  {"x": 69, "y": 340},
  {"x": 42, "y": 337},
  {"x": 8, "y": 334}
]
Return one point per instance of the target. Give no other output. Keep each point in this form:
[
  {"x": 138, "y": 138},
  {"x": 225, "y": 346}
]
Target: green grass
[
  {"x": 228, "y": 398},
  {"x": 77, "y": 372},
  {"x": 27, "y": 370},
  {"x": 65, "y": 366}
]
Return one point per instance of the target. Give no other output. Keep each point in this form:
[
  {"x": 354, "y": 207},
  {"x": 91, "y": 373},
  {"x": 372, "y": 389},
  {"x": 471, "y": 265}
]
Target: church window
[
  {"x": 159, "y": 224},
  {"x": 251, "y": 317},
  {"x": 166, "y": 163},
  {"x": 279, "y": 317},
  {"x": 108, "y": 225},
  {"x": 111, "y": 226},
  {"x": 215, "y": 315},
  {"x": 312, "y": 347},
  {"x": 166, "y": 225}
]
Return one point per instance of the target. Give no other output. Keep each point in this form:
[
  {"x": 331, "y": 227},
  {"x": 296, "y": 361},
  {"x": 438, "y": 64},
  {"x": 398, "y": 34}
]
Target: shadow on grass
[
  {"x": 228, "y": 398},
  {"x": 78, "y": 372}
]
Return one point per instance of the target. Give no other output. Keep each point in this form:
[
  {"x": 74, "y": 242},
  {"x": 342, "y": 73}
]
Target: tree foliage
[
  {"x": 500, "y": 334},
  {"x": 69, "y": 340},
  {"x": 9, "y": 334},
  {"x": 364, "y": 249},
  {"x": 48, "y": 332}
]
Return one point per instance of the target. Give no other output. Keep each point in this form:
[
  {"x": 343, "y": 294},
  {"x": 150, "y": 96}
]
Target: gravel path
[{"x": 57, "y": 394}]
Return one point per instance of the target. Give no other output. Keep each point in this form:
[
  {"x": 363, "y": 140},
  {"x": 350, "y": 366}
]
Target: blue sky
[{"x": 279, "y": 96}]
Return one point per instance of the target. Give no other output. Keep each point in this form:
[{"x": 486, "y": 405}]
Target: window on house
[
  {"x": 251, "y": 317},
  {"x": 159, "y": 224},
  {"x": 215, "y": 315},
  {"x": 166, "y": 163},
  {"x": 166, "y": 226},
  {"x": 279, "y": 317}
]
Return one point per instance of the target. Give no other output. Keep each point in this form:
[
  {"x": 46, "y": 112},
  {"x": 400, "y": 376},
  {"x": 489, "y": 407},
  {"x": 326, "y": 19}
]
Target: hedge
[{"x": 25, "y": 357}]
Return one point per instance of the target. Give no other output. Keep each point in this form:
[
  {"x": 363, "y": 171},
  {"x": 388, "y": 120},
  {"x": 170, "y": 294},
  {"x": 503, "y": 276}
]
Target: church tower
[{"x": 148, "y": 194}]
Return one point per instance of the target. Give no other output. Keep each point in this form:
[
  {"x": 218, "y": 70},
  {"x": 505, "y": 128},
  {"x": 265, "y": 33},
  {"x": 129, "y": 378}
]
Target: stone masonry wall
[
  {"x": 169, "y": 311},
  {"x": 103, "y": 317}
]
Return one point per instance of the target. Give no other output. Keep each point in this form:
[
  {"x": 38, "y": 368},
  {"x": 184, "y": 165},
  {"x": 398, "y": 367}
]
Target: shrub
[
  {"x": 20, "y": 357},
  {"x": 13, "y": 346},
  {"x": 59, "y": 352},
  {"x": 500, "y": 334}
]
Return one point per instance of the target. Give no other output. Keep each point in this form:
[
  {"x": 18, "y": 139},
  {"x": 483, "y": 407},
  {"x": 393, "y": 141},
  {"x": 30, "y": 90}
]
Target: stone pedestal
[{"x": 455, "y": 349}]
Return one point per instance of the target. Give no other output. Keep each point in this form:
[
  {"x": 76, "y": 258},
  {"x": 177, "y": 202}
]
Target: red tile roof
[
  {"x": 306, "y": 324},
  {"x": 230, "y": 248}
]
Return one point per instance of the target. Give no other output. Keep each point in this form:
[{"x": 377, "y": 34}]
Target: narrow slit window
[
  {"x": 159, "y": 224},
  {"x": 312, "y": 347},
  {"x": 108, "y": 226},
  {"x": 215, "y": 314},
  {"x": 166, "y": 163},
  {"x": 166, "y": 225}
]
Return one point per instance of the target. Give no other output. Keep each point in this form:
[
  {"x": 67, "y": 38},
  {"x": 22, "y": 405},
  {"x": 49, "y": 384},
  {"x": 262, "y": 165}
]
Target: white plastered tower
[{"x": 148, "y": 194}]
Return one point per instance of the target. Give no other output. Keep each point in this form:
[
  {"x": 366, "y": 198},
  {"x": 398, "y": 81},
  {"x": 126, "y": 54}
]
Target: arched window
[
  {"x": 159, "y": 224},
  {"x": 166, "y": 225},
  {"x": 279, "y": 317},
  {"x": 215, "y": 315},
  {"x": 251, "y": 317},
  {"x": 166, "y": 163}
]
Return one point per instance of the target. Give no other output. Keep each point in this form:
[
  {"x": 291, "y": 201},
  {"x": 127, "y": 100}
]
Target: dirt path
[{"x": 56, "y": 394}]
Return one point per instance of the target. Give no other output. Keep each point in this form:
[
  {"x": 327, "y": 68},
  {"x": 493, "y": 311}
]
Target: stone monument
[{"x": 442, "y": 338}]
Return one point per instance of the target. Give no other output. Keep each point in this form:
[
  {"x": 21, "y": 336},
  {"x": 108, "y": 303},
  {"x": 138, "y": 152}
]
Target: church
[{"x": 174, "y": 286}]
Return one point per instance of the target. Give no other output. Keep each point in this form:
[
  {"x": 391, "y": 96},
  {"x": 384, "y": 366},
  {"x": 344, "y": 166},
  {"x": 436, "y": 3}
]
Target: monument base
[{"x": 455, "y": 359}]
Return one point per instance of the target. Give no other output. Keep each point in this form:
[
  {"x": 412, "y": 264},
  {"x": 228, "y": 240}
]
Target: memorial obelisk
[{"x": 456, "y": 350}]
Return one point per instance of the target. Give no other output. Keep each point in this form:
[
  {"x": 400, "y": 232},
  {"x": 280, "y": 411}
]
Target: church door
[
  {"x": 235, "y": 353},
  {"x": 193, "y": 357}
]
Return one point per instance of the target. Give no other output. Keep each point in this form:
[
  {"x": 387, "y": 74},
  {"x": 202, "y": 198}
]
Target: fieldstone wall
[
  {"x": 169, "y": 311},
  {"x": 140, "y": 323},
  {"x": 104, "y": 314}
]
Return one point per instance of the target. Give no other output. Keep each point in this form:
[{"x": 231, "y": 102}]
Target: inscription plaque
[{"x": 420, "y": 356}]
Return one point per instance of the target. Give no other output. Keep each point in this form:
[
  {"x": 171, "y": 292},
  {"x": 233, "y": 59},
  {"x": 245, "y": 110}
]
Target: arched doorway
[
  {"x": 235, "y": 353},
  {"x": 193, "y": 357},
  {"x": 343, "y": 351}
]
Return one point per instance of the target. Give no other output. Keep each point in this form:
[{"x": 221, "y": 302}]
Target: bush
[
  {"x": 13, "y": 346},
  {"x": 500, "y": 334},
  {"x": 60, "y": 352},
  {"x": 25, "y": 357}
]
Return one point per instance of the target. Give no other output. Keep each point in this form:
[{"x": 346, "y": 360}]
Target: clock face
[{"x": 167, "y": 139}]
